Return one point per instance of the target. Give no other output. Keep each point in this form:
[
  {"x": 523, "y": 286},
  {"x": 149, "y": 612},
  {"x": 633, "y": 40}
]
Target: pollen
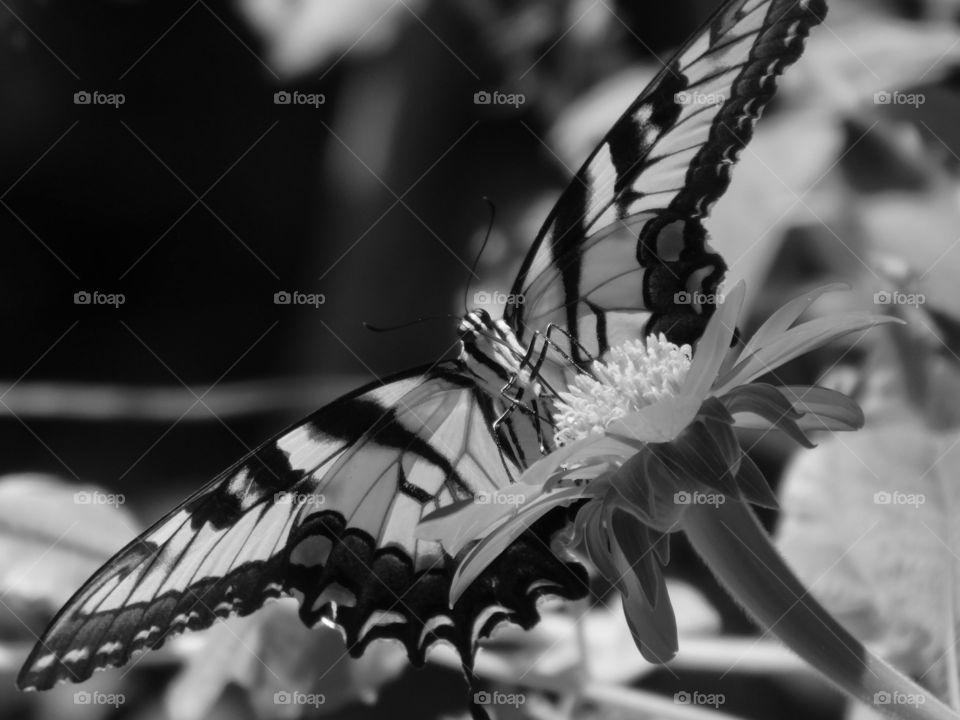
[{"x": 635, "y": 375}]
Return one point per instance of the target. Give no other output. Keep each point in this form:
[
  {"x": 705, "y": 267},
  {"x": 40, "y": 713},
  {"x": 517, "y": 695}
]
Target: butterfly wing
[
  {"x": 326, "y": 512},
  {"x": 624, "y": 252}
]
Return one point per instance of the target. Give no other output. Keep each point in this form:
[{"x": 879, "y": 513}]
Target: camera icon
[
  {"x": 482, "y": 498},
  {"x": 83, "y": 497},
  {"x": 682, "y": 698},
  {"x": 82, "y": 298},
  {"x": 481, "y": 698},
  {"x": 82, "y": 98},
  {"x": 882, "y": 98},
  {"x": 82, "y": 697},
  {"x": 282, "y": 298},
  {"x": 482, "y": 97},
  {"x": 882, "y": 298},
  {"x": 682, "y": 498},
  {"x": 682, "y": 298},
  {"x": 882, "y": 498},
  {"x": 282, "y": 97},
  {"x": 282, "y": 697},
  {"x": 682, "y": 97},
  {"x": 481, "y": 297},
  {"x": 881, "y": 697}
]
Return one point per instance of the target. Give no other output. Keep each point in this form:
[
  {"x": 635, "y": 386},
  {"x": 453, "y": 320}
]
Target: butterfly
[{"x": 327, "y": 510}]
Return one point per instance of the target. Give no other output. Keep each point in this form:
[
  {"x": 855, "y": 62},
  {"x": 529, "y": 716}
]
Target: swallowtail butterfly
[{"x": 624, "y": 238}]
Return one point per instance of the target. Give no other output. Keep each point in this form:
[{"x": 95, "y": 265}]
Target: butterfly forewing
[{"x": 624, "y": 246}]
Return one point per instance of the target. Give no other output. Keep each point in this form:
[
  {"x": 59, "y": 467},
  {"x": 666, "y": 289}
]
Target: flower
[
  {"x": 637, "y": 374},
  {"x": 647, "y": 446}
]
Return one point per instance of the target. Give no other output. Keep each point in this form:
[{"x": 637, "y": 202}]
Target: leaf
[
  {"x": 271, "y": 654},
  {"x": 53, "y": 536},
  {"x": 872, "y": 519},
  {"x": 302, "y": 34},
  {"x": 738, "y": 551}
]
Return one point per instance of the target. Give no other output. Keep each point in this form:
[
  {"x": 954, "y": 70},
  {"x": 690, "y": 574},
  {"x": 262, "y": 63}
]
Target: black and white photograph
[{"x": 480, "y": 359}]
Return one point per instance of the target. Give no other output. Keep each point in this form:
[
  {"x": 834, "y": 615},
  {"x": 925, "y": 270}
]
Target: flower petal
[
  {"x": 654, "y": 627},
  {"x": 459, "y": 524},
  {"x": 782, "y": 319},
  {"x": 795, "y": 342},
  {"x": 753, "y": 485},
  {"x": 498, "y": 539},
  {"x": 714, "y": 345},
  {"x": 832, "y": 409},
  {"x": 767, "y": 402},
  {"x": 660, "y": 422}
]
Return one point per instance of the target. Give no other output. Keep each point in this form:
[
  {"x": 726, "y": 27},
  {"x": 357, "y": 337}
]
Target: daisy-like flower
[{"x": 647, "y": 446}]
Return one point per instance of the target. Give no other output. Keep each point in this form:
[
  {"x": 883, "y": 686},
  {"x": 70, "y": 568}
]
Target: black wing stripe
[
  {"x": 683, "y": 132},
  {"x": 180, "y": 577}
]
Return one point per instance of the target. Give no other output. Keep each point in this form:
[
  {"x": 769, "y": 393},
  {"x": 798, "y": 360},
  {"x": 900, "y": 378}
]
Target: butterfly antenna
[
  {"x": 476, "y": 260},
  {"x": 401, "y": 326}
]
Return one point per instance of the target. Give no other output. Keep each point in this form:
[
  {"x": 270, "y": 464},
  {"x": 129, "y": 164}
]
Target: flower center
[{"x": 636, "y": 374}]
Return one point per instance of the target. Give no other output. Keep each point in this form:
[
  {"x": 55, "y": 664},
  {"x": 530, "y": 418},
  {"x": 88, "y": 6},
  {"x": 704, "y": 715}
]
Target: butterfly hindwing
[
  {"x": 624, "y": 249},
  {"x": 326, "y": 512}
]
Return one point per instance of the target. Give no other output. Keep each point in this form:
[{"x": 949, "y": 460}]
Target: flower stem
[{"x": 739, "y": 552}]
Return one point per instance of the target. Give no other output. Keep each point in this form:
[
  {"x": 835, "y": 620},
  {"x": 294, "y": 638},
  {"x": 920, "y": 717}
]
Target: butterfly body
[{"x": 327, "y": 510}]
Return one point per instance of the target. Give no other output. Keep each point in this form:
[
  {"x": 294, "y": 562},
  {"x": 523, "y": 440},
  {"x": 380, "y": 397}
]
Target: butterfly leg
[{"x": 515, "y": 401}]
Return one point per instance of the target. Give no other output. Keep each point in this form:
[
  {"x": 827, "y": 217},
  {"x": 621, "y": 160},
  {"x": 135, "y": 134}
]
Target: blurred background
[{"x": 171, "y": 172}]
